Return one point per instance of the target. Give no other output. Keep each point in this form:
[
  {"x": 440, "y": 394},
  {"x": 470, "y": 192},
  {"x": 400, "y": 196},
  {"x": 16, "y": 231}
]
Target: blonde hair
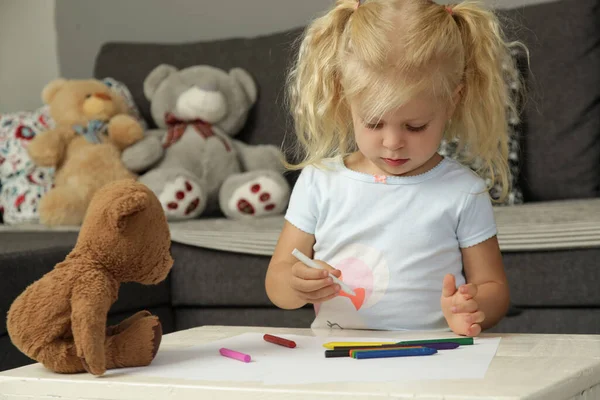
[{"x": 383, "y": 52}]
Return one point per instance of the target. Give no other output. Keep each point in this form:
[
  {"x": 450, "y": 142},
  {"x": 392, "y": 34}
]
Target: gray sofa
[{"x": 553, "y": 290}]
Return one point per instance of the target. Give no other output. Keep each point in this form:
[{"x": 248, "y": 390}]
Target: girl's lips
[{"x": 395, "y": 162}]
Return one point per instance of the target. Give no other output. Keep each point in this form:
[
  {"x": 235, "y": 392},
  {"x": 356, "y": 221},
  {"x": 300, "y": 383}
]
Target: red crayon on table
[{"x": 280, "y": 341}]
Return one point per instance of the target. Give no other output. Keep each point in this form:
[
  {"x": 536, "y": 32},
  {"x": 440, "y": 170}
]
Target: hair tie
[
  {"x": 358, "y": 3},
  {"x": 449, "y": 10}
]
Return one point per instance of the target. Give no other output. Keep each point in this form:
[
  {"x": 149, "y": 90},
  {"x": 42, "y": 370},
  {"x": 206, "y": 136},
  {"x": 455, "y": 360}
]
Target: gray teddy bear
[{"x": 192, "y": 163}]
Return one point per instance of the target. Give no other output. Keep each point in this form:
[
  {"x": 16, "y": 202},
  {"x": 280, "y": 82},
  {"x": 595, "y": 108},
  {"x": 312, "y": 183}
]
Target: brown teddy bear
[
  {"x": 60, "y": 320},
  {"x": 92, "y": 128}
]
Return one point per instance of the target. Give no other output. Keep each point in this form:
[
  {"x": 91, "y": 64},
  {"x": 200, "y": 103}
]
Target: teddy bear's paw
[
  {"x": 182, "y": 199},
  {"x": 44, "y": 156},
  {"x": 124, "y": 131},
  {"x": 123, "y": 325},
  {"x": 138, "y": 344},
  {"x": 262, "y": 196}
]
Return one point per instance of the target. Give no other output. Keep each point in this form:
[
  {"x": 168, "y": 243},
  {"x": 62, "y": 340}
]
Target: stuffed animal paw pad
[
  {"x": 257, "y": 198},
  {"x": 182, "y": 198}
]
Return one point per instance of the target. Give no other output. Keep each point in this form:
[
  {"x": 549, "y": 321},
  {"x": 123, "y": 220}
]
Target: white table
[{"x": 525, "y": 367}]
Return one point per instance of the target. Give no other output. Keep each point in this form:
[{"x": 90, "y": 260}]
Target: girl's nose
[{"x": 393, "y": 139}]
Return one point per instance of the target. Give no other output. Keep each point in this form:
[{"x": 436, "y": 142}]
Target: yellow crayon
[{"x": 331, "y": 345}]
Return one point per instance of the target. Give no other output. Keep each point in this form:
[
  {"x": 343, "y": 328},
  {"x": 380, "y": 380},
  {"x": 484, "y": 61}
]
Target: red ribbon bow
[{"x": 176, "y": 128}]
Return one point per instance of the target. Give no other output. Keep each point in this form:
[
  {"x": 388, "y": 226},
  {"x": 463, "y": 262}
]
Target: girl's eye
[
  {"x": 416, "y": 128},
  {"x": 373, "y": 127}
]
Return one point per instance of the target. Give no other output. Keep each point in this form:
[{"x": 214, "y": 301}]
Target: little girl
[{"x": 376, "y": 87}]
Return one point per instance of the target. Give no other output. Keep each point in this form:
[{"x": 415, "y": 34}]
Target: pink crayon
[{"x": 234, "y": 354}]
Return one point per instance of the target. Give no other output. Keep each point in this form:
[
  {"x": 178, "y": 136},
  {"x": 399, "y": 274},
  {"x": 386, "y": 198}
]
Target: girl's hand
[
  {"x": 314, "y": 285},
  {"x": 460, "y": 308}
]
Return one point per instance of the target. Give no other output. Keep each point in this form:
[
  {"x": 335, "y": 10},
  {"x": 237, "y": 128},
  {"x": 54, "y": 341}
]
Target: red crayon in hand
[{"x": 279, "y": 341}]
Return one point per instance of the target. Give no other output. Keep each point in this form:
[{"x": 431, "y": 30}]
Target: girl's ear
[{"x": 456, "y": 97}]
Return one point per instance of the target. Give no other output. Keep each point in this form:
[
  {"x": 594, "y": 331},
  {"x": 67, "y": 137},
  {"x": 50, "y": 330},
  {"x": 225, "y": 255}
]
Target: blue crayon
[{"x": 425, "y": 351}]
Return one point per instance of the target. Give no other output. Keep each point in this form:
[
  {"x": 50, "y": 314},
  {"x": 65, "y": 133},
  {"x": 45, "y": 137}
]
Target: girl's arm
[
  {"x": 291, "y": 284},
  {"x": 484, "y": 268}
]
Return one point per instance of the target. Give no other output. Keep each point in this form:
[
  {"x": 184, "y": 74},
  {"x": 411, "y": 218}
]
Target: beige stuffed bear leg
[{"x": 64, "y": 205}]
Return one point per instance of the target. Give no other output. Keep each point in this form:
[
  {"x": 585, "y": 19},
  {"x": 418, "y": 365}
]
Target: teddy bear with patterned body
[
  {"x": 92, "y": 127},
  {"x": 192, "y": 162}
]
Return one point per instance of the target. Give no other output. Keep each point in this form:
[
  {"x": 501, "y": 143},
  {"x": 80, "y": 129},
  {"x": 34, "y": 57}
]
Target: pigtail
[
  {"x": 314, "y": 89},
  {"x": 480, "y": 122}
]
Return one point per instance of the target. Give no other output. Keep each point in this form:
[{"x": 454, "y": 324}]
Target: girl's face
[{"x": 405, "y": 141}]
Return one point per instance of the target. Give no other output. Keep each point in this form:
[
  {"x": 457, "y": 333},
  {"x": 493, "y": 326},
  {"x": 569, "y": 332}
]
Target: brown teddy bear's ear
[
  {"x": 51, "y": 89},
  {"x": 127, "y": 206}
]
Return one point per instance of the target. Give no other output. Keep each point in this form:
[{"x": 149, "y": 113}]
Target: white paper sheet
[{"x": 274, "y": 365}]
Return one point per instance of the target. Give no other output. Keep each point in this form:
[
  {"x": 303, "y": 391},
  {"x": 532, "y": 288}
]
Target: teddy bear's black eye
[{"x": 87, "y": 96}]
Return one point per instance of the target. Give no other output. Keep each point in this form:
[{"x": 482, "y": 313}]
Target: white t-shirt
[{"x": 393, "y": 238}]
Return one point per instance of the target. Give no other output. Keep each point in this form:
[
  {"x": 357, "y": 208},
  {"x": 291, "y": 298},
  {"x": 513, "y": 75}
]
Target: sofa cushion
[
  {"x": 562, "y": 144},
  {"x": 562, "y": 321},
  {"x": 244, "y": 316},
  {"x": 563, "y": 278},
  {"x": 204, "y": 277}
]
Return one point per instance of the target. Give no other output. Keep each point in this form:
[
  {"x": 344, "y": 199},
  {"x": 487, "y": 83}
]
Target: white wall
[{"x": 28, "y": 55}]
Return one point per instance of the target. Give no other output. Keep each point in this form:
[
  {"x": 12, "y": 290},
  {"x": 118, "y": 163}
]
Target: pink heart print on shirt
[
  {"x": 365, "y": 270},
  {"x": 359, "y": 276}
]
